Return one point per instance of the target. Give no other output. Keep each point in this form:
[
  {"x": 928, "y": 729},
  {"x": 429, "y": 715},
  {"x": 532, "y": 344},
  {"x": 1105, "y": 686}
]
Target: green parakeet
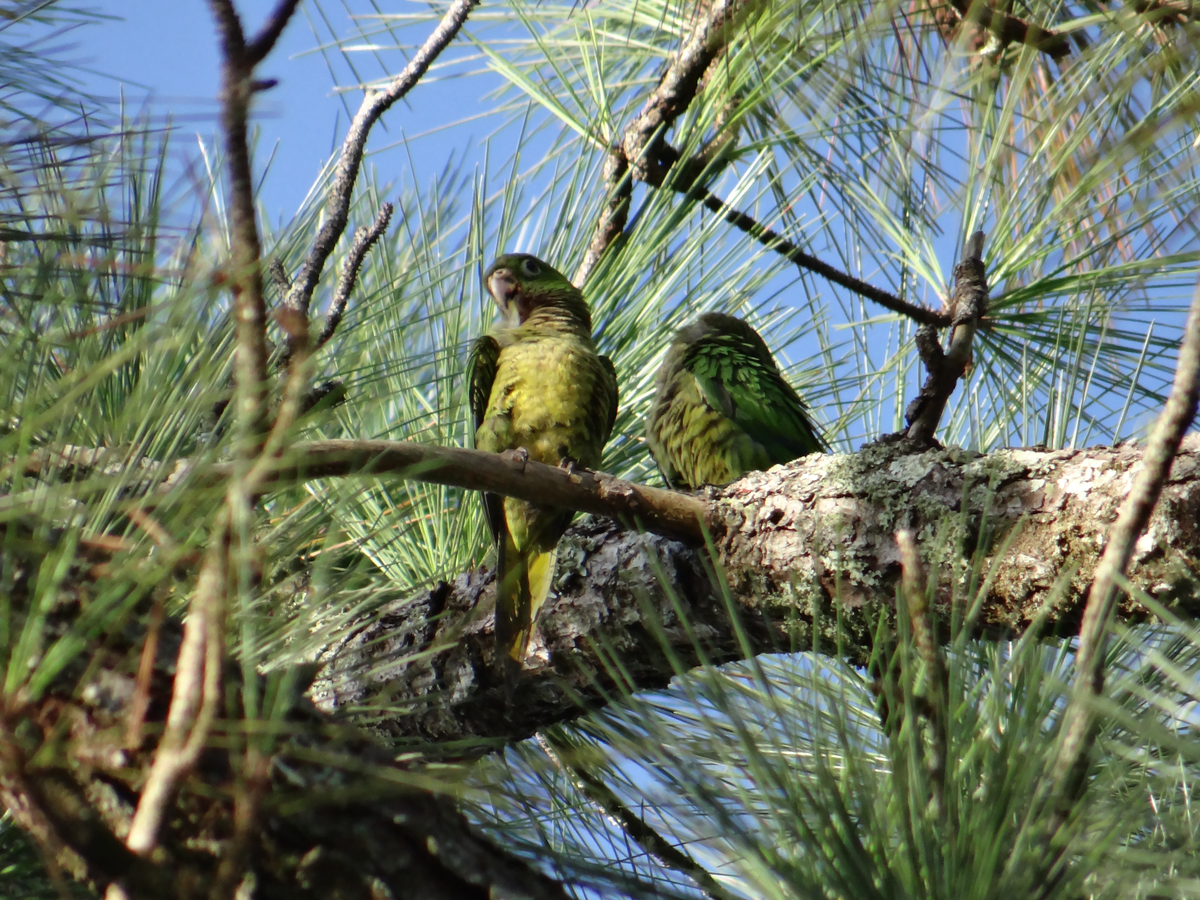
[
  {"x": 722, "y": 408},
  {"x": 536, "y": 385}
]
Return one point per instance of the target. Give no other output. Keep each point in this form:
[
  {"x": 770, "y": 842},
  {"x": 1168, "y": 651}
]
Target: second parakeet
[
  {"x": 722, "y": 408},
  {"x": 536, "y": 385}
]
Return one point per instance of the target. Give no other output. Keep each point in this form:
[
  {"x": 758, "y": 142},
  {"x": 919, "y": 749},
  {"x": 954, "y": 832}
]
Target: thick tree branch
[
  {"x": 1078, "y": 728},
  {"x": 801, "y": 547}
]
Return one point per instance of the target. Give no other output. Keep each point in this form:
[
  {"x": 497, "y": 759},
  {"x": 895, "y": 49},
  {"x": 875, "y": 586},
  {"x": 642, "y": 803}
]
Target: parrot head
[{"x": 520, "y": 283}]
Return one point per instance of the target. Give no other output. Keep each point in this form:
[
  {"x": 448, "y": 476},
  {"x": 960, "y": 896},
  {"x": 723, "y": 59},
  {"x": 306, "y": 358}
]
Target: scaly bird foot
[{"x": 569, "y": 464}]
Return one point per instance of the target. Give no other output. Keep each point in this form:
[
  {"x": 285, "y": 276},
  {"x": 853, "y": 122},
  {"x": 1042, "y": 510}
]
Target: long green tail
[{"x": 523, "y": 581}]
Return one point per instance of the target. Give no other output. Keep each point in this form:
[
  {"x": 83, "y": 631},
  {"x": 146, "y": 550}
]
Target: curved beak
[{"x": 504, "y": 287}]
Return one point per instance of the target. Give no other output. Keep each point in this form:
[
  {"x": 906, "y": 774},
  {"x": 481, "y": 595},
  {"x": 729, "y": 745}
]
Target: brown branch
[
  {"x": 194, "y": 695},
  {"x": 364, "y": 239},
  {"x": 249, "y": 307},
  {"x": 375, "y": 103},
  {"x": 1078, "y": 726},
  {"x": 655, "y": 509},
  {"x": 1011, "y": 30},
  {"x": 967, "y": 305},
  {"x": 787, "y": 249},
  {"x": 618, "y": 187}
]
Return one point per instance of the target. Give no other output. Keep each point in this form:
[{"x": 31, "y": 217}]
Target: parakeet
[
  {"x": 721, "y": 407},
  {"x": 536, "y": 384}
]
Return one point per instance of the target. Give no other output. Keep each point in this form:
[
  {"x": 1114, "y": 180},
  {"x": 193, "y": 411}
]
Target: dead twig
[
  {"x": 364, "y": 239},
  {"x": 194, "y": 694}
]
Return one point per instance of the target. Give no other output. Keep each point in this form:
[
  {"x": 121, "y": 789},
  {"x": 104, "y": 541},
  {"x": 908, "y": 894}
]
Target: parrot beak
[{"x": 506, "y": 291}]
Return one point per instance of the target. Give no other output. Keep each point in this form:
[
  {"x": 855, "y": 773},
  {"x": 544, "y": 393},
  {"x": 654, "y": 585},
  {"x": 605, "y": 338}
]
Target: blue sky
[{"x": 163, "y": 56}]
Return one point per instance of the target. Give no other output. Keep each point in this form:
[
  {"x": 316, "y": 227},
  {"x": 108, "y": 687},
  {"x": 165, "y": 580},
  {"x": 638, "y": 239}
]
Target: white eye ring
[{"x": 530, "y": 266}]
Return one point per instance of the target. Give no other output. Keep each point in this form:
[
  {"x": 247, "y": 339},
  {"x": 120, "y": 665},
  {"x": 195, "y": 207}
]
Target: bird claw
[
  {"x": 569, "y": 464},
  {"x": 520, "y": 456}
]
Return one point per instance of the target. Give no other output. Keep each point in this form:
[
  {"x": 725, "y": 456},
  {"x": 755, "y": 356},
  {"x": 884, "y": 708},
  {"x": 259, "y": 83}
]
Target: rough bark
[{"x": 809, "y": 557}]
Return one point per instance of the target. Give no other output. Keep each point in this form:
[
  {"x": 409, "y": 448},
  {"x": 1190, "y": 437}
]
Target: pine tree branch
[
  {"x": 968, "y": 304},
  {"x": 807, "y": 546},
  {"x": 364, "y": 239}
]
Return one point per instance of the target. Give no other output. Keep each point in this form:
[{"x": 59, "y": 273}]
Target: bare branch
[
  {"x": 250, "y": 311},
  {"x": 262, "y": 43},
  {"x": 194, "y": 695},
  {"x": 786, "y": 248},
  {"x": 1078, "y": 727},
  {"x": 618, "y": 187},
  {"x": 662, "y": 511},
  {"x": 364, "y": 239},
  {"x": 967, "y": 305},
  {"x": 374, "y": 104}
]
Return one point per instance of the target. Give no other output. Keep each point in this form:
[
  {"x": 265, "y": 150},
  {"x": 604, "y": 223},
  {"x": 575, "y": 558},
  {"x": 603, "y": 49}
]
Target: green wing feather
[
  {"x": 722, "y": 407},
  {"x": 481, "y": 375}
]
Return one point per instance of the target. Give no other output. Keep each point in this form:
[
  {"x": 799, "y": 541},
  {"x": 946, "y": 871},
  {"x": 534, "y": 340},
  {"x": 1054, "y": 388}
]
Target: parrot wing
[{"x": 481, "y": 373}]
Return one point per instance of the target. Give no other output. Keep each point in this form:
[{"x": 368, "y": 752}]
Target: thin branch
[
  {"x": 665, "y": 512},
  {"x": 194, "y": 694},
  {"x": 784, "y": 247},
  {"x": 364, "y": 239},
  {"x": 264, "y": 41},
  {"x": 375, "y": 102},
  {"x": 968, "y": 304},
  {"x": 250, "y": 311},
  {"x": 1078, "y": 728},
  {"x": 644, "y": 155},
  {"x": 624, "y": 818},
  {"x": 618, "y": 187}
]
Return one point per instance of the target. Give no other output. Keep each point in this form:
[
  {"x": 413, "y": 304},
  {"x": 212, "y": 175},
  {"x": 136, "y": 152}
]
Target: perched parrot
[
  {"x": 536, "y": 385},
  {"x": 722, "y": 408}
]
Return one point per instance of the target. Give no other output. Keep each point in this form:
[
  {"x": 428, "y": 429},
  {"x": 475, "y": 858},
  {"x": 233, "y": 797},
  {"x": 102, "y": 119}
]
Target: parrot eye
[{"x": 530, "y": 266}]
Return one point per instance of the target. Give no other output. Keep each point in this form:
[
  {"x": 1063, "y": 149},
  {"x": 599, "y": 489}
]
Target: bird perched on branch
[
  {"x": 722, "y": 408},
  {"x": 537, "y": 386}
]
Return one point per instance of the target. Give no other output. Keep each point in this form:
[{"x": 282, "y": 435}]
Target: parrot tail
[{"x": 522, "y": 584}]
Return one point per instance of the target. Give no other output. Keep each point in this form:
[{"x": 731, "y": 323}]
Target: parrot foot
[
  {"x": 520, "y": 456},
  {"x": 569, "y": 464}
]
